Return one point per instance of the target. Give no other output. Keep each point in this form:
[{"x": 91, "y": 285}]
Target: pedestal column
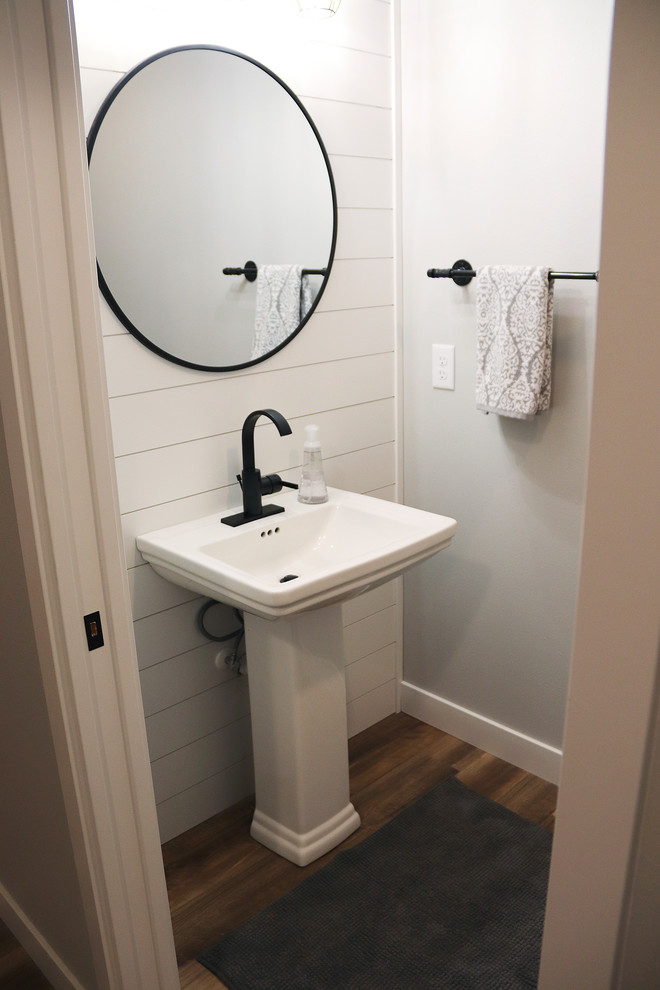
[{"x": 299, "y": 731}]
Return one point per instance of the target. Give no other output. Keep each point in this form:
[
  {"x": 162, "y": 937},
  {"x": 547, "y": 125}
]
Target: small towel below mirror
[
  {"x": 514, "y": 340},
  {"x": 283, "y": 299}
]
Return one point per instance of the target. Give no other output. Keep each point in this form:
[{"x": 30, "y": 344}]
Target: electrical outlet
[{"x": 442, "y": 365}]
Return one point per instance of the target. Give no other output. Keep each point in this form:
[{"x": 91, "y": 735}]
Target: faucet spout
[
  {"x": 250, "y": 476},
  {"x": 247, "y": 435}
]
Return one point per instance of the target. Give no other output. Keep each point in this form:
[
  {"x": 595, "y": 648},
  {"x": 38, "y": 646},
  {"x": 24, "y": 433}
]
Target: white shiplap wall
[{"x": 177, "y": 431}]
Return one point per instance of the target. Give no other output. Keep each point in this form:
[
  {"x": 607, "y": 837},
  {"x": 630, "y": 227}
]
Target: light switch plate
[{"x": 442, "y": 365}]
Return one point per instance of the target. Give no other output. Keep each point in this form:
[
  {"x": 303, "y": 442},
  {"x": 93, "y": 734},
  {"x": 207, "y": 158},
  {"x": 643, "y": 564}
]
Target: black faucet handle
[{"x": 272, "y": 483}]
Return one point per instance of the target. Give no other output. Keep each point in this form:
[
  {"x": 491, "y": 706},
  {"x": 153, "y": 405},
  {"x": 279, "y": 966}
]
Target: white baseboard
[
  {"x": 529, "y": 754},
  {"x": 36, "y": 946}
]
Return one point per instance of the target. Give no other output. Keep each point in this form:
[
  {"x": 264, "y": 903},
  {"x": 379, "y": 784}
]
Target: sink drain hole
[{"x": 288, "y": 577}]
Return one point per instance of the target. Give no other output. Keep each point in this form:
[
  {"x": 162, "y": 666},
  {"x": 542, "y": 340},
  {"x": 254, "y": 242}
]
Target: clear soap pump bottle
[{"x": 312, "y": 488}]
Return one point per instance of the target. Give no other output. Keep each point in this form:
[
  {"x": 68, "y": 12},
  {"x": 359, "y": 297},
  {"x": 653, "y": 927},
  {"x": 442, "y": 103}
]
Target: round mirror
[{"x": 215, "y": 213}]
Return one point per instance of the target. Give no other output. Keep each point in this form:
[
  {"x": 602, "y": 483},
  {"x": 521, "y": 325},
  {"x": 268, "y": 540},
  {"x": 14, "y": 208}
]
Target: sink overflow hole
[
  {"x": 269, "y": 532},
  {"x": 288, "y": 577}
]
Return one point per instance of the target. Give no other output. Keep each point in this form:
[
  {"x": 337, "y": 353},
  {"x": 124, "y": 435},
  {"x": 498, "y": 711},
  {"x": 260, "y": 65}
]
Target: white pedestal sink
[{"x": 289, "y": 573}]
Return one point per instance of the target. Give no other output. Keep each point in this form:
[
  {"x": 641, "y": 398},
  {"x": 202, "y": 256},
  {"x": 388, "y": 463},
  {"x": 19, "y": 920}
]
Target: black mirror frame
[{"x": 103, "y": 285}]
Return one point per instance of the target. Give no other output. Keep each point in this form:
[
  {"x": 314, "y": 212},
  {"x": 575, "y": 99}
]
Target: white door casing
[{"x": 54, "y": 407}]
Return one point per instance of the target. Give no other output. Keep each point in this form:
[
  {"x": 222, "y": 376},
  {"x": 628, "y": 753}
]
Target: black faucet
[{"x": 253, "y": 485}]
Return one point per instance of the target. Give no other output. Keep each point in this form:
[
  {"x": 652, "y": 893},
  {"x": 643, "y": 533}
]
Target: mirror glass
[{"x": 200, "y": 160}]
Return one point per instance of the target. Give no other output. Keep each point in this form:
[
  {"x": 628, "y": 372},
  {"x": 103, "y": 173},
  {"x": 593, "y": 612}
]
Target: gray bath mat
[{"x": 450, "y": 895}]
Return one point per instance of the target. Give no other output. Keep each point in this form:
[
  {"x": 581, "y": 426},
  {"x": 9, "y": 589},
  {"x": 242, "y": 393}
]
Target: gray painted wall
[{"x": 503, "y": 111}]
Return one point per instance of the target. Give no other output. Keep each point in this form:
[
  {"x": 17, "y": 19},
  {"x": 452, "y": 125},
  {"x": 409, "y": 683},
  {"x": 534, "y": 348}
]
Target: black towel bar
[{"x": 462, "y": 273}]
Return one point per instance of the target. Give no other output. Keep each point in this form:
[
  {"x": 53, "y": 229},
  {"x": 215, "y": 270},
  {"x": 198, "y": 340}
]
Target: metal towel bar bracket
[
  {"x": 462, "y": 273},
  {"x": 249, "y": 269}
]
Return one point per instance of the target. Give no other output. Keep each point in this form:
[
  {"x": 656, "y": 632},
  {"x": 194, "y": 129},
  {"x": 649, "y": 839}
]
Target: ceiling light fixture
[{"x": 318, "y": 8}]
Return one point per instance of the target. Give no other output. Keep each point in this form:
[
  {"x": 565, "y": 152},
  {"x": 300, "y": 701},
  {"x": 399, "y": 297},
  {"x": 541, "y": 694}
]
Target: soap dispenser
[{"x": 312, "y": 488}]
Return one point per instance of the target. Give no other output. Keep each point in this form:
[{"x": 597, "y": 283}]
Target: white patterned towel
[
  {"x": 283, "y": 298},
  {"x": 514, "y": 340}
]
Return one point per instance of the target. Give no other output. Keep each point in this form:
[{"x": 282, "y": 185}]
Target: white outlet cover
[{"x": 442, "y": 366}]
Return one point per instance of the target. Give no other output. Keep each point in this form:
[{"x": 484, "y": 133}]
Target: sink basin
[
  {"x": 289, "y": 574},
  {"x": 306, "y": 557}
]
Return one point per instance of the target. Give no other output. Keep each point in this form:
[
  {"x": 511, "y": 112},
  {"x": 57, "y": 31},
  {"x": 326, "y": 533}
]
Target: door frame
[
  {"x": 55, "y": 413},
  {"x": 604, "y": 897}
]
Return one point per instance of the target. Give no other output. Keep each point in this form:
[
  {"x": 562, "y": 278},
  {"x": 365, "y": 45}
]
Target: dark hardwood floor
[{"x": 218, "y": 877}]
